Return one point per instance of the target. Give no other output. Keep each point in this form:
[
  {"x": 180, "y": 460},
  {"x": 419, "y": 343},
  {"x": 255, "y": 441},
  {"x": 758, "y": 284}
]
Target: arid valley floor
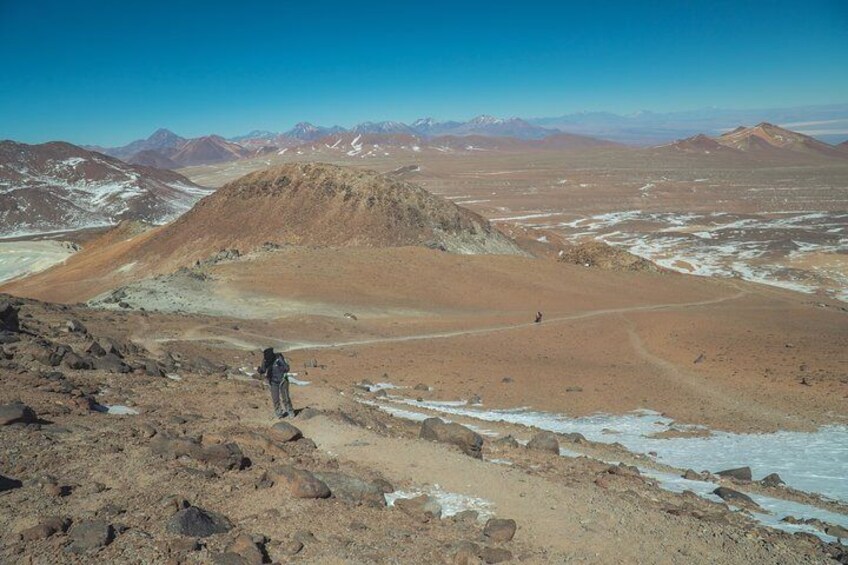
[{"x": 601, "y": 431}]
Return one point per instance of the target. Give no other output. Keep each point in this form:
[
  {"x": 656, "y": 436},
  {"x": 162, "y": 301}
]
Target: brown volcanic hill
[
  {"x": 153, "y": 158},
  {"x": 328, "y": 205},
  {"x": 206, "y": 150},
  {"x": 699, "y": 144},
  {"x": 302, "y": 204},
  {"x": 765, "y": 137},
  {"x": 57, "y": 186}
]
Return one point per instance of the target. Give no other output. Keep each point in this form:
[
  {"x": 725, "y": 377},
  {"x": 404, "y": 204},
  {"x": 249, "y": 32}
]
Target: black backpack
[{"x": 280, "y": 367}]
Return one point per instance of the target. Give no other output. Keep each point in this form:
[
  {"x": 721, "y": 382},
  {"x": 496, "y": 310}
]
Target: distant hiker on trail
[
  {"x": 275, "y": 368},
  {"x": 538, "y": 317}
]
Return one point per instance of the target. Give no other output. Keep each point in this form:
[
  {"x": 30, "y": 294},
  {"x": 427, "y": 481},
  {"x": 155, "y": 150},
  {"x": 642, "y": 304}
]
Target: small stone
[
  {"x": 507, "y": 441},
  {"x": 772, "y": 480},
  {"x": 248, "y": 549},
  {"x": 544, "y": 441},
  {"x": 75, "y": 326},
  {"x": 499, "y": 530},
  {"x": 16, "y": 413},
  {"x": 740, "y": 474},
  {"x": 424, "y": 507},
  {"x": 730, "y": 495},
  {"x": 285, "y": 432},
  {"x": 197, "y": 522},
  {"x": 495, "y": 555},
  {"x": 469, "y": 441},
  {"x": 466, "y": 516},
  {"x": 691, "y": 475},
  {"x": 46, "y": 528},
  {"x": 421, "y": 386},
  {"x": 301, "y": 483},
  {"x": 91, "y": 535}
]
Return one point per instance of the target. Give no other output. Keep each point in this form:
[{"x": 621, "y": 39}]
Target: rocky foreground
[{"x": 119, "y": 451}]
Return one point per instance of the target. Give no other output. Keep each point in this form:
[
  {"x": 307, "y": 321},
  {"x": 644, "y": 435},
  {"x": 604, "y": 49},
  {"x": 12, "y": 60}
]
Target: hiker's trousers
[{"x": 280, "y": 392}]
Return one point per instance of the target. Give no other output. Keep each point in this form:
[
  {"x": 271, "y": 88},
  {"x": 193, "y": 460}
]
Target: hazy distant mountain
[
  {"x": 383, "y": 127},
  {"x": 256, "y": 134},
  {"x": 162, "y": 141},
  {"x": 208, "y": 149},
  {"x": 58, "y": 186},
  {"x": 304, "y": 131},
  {"x": 482, "y": 125},
  {"x": 827, "y": 123},
  {"x": 152, "y": 158},
  {"x": 430, "y": 127}
]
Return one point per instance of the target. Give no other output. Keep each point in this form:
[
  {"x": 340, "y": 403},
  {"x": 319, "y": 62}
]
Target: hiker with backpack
[{"x": 276, "y": 368}]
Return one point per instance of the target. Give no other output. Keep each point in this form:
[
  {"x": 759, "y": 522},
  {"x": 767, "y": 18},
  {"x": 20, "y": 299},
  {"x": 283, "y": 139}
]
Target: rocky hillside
[
  {"x": 328, "y": 205},
  {"x": 603, "y": 256},
  {"x": 59, "y": 187}
]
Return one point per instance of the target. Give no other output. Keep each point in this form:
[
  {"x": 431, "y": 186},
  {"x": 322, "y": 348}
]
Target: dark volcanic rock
[
  {"x": 7, "y": 483},
  {"x": 544, "y": 441},
  {"x": 91, "y": 535},
  {"x": 197, "y": 522},
  {"x": 730, "y": 495},
  {"x": 16, "y": 413},
  {"x": 74, "y": 361},
  {"x": 740, "y": 474},
  {"x": 772, "y": 480},
  {"x": 111, "y": 363},
  {"x": 9, "y": 321},
  {"x": 470, "y": 442}
]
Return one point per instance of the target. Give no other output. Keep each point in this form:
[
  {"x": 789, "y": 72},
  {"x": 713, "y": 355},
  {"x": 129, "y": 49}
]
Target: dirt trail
[
  {"x": 550, "y": 515},
  {"x": 697, "y": 386},
  {"x": 287, "y": 345}
]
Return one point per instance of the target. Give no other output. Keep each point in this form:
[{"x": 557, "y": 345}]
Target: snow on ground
[
  {"x": 812, "y": 462},
  {"x": 783, "y": 452},
  {"x": 452, "y": 503},
  {"x": 19, "y": 258}
]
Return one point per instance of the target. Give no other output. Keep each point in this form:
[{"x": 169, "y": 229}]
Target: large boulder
[
  {"x": 352, "y": 489},
  {"x": 301, "y": 483},
  {"x": 198, "y": 523},
  {"x": 740, "y": 474},
  {"x": 16, "y": 413},
  {"x": 9, "y": 321},
  {"x": 469, "y": 441},
  {"x": 499, "y": 529},
  {"x": 544, "y": 441}
]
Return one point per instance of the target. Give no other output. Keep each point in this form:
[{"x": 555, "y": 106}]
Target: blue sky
[{"x": 103, "y": 72}]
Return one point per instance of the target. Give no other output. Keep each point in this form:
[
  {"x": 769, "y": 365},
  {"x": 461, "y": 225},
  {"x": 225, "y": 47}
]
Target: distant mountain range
[
  {"x": 828, "y": 123},
  {"x": 59, "y": 187},
  {"x": 165, "y": 149}
]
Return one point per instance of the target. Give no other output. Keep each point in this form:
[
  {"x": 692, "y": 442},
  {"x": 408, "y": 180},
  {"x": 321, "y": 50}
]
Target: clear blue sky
[{"x": 107, "y": 72}]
